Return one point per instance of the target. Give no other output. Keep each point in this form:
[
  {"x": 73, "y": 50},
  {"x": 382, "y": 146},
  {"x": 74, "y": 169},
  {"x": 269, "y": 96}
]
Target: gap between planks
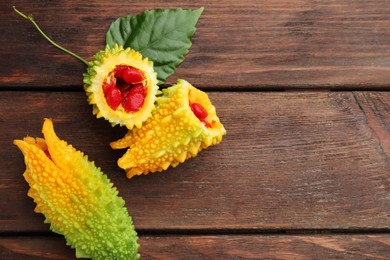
[
  {"x": 343, "y": 88},
  {"x": 236, "y": 232}
]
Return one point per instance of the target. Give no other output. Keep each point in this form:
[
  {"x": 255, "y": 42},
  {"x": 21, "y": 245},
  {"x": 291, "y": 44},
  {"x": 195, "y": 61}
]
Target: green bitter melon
[{"x": 77, "y": 199}]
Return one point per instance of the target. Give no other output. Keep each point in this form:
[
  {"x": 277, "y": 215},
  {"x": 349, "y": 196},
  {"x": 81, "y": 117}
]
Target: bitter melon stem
[{"x": 30, "y": 19}]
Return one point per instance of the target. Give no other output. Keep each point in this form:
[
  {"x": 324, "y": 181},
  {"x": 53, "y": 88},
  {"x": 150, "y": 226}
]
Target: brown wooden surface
[
  {"x": 245, "y": 44},
  {"x": 290, "y": 160},
  {"x": 302, "y": 174},
  {"x": 218, "y": 247}
]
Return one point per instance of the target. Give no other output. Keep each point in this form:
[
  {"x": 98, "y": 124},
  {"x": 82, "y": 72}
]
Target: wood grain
[
  {"x": 300, "y": 175},
  {"x": 217, "y": 247},
  {"x": 253, "y": 44},
  {"x": 299, "y": 160}
]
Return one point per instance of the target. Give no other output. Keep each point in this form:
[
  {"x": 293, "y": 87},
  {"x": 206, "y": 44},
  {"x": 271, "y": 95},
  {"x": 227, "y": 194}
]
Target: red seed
[
  {"x": 119, "y": 70},
  {"x": 199, "y": 111},
  {"x": 132, "y": 75},
  {"x": 138, "y": 88},
  {"x": 107, "y": 87},
  {"x": 133, "y": 103},
  {"x": 113, "y": 98},
  {"x": 130, "y": 90}
]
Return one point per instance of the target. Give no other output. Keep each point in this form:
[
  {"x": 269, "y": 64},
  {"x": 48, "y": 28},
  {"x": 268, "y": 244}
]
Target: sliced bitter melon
[
  {"x": 183, "y": 123},
  {"x": 121, "y": 85}
]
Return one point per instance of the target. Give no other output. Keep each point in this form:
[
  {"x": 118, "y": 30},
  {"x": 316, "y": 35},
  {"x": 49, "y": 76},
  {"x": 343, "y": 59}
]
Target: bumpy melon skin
[
  {"x": 172, "y": 134},
  {"x": 77, "y": 199},
  {"x": 105, "y": 62}
]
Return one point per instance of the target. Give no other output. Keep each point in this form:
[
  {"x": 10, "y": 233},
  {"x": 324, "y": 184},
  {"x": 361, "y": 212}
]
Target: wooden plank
[
  {"x": 290, "y": 161},
  {"x": 217, "y": 247},
  {"x": 246, "y": 44}
]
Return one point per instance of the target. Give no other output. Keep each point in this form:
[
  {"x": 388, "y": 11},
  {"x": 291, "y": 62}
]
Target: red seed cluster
[{"x": 125, "y": 87}]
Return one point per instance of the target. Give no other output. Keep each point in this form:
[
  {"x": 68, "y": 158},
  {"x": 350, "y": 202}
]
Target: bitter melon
[
  {"x": 121, "y": 85},
  {"x": 77, "y": 199},
  {"x": 183, "y": 123}
]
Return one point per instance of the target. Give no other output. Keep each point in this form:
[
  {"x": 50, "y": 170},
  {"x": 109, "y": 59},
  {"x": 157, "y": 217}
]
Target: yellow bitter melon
[
  {"x": 121, "y": 85},
  {"x": 183, "y": 123},
  {"x": 77, "y": 199}
]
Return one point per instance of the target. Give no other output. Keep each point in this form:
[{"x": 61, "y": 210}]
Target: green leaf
[{"x": 162, "y": 35}]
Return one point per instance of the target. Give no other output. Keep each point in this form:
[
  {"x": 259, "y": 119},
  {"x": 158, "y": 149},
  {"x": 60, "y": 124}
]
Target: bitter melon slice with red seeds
[
  {"x": 121, "y": 85},
  {"x": 183, "y": 123}
]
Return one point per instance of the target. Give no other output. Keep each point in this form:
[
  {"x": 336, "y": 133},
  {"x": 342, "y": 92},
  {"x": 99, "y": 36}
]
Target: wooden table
[{"x": 302, "y": 88}]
